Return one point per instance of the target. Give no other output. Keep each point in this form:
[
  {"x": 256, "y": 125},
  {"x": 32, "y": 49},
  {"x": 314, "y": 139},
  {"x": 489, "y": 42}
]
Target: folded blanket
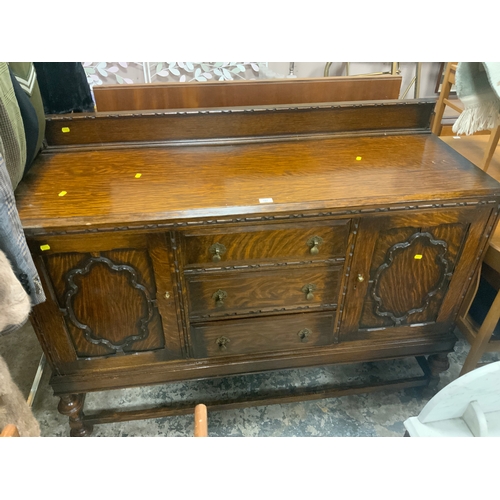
[{"x": 478, "y": 87}]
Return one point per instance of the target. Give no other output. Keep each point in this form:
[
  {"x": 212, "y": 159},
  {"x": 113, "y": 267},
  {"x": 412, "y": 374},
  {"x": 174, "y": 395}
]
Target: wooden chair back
[{"x": 444, "y": 101}]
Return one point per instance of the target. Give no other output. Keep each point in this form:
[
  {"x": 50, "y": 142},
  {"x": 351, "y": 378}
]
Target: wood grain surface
[
  {"x": 241, "y": 123},
  {"x": 155, "y": 193},
  {"x": 266, "y": 243},
  {"x": 245, "y": 93},
  {"x": 375, "y": 240},
  {"x": 263, "y": 334},
  {"x": 211, "y": 181},
  {"x": 106, "y": 301},
  {"x": 255, "y": 292}
]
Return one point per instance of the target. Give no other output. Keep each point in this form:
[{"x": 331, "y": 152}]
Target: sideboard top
[{"x": 163, "y": 183}]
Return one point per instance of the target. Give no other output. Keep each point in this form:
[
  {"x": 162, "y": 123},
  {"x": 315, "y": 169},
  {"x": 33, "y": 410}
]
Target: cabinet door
[
  {"x": 107, "y": 294},
  {"x": 411, "y": 270}
]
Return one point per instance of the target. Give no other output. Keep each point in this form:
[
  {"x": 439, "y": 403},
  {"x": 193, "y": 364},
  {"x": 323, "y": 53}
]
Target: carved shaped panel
[
  {"x": 413, "y": 272},
  {"x": 100, "y": 271},
  {"x": 108, "y": 301},
  {"x": 410, "y": 273}
]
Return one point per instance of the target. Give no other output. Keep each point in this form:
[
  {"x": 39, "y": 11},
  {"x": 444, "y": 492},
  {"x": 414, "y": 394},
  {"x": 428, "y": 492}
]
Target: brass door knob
[{"x": 361, "y": 278}]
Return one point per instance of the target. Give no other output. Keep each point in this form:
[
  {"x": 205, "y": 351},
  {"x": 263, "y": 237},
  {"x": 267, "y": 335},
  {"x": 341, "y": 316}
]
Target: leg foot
[
  {"x": 71, "y": 405},
  {"x": 438, "y": 363}
]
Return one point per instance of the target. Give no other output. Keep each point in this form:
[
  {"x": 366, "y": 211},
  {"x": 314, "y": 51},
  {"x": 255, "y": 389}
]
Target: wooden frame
[
  {"x": 480, "y": 336},
  {"x": 441, "y": 79}
]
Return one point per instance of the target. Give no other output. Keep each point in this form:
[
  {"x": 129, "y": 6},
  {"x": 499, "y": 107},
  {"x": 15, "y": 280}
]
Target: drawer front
[
  {"x": 285, "y": 243},
  {"x": 214, "y": 295},
  {"x": 259, "y": 335}
]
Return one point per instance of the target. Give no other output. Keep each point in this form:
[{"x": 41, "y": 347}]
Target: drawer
[
  {"x": 240, "y": 292},
  {"x": 247, "y": 246},
  {"x": 258, "y": 335}
]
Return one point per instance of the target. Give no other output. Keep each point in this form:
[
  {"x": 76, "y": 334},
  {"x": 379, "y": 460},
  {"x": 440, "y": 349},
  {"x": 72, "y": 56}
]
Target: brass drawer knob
[
  {"x": 308, "y": 290},
  {"x": 217, "y": 249},
  {"x": 314, "y": 243},
  {"x": 222, "y": 343},
  {"x": 304, "y": 334},
  {"x": 361, "y": 278},
  {"x": 219, "y": 296}
]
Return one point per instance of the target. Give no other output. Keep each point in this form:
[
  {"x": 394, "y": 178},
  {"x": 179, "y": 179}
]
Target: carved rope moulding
[
  {"x": 132, "y": 276},
  {"x": 61, "y": 118},
  {"x": 172, "y": 225},
  {"x": 382, "y": 309}
]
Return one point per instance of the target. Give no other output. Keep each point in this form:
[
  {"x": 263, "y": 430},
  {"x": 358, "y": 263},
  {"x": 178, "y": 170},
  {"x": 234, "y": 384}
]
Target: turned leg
[
  {"x": 71, "y": 405},
  {"x": 438, "y": 363}
]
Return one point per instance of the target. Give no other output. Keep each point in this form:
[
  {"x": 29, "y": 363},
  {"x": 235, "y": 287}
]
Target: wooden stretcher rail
[{"x": 278, "y": 396}]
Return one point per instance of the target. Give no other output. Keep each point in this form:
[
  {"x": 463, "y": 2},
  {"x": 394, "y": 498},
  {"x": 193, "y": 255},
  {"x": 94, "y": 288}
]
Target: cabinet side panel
[{"x": 49, "y": 324}]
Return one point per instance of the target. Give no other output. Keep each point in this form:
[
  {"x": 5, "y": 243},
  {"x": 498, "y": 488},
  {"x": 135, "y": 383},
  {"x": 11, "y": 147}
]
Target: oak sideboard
[{"x": 183, "y": 245}]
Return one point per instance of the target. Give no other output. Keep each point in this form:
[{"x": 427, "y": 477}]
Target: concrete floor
[{"x": 376, "y": 414}]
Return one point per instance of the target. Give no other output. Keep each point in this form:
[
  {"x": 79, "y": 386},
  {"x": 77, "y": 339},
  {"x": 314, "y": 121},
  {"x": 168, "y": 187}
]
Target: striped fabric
[
  {"x": 26, "y": 76},
  {"x": 13, "y": 144},
  {"x": 478, "y": 87},
  {"x": 30, "y": 121},
  {"x": 13, "y": 242},
  {"x": 27, "y": 83}
]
